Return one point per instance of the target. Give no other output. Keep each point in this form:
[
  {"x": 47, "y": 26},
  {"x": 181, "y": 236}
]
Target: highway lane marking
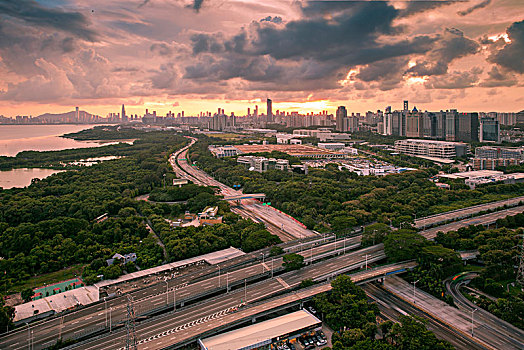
[
  {"x": 283, "y": 283},
  {"x": 188, "y": 325}
]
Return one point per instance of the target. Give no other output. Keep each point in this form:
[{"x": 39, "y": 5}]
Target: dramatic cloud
[
  {"x": 368, "y": 52},
  {"x": 480, "y": 5},
  {"x": 275, "y": 19},
  {"x": 416, "y": 7},
  {"x": 452, "y": 45},
  {"x": 497, "y": 78},
  {"x": 312, "y": 48},
  {"x": 455, "y": 80},
  {"x": 197, "y": 4},
  {"x": 34, "y": 14},
  {"x": 511, "y": 56}
]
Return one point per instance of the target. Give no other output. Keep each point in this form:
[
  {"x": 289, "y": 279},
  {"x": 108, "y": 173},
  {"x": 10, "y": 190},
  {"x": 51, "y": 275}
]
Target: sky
[{"x": 199, "y": 55}]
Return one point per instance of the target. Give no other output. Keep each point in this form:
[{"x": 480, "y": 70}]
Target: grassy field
[{"x": 49, "y": 278}]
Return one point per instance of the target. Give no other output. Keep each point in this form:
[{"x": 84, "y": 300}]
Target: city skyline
[{"x": 305, "y": 56}]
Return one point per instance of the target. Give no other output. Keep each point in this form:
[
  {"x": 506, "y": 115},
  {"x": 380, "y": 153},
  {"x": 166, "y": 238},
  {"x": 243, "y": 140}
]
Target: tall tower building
[
  {"x": 77, "y": 114},
  {"x": 406, "y": 106},
  {"x": 269, "y": 111},
  {"x": 342, "y": 114},
  {"x": 124, "y": 116}
]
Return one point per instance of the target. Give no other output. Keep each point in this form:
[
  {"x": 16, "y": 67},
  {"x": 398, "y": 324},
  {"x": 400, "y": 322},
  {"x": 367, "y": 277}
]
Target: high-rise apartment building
[
  {"x": 124, "y": 116},
  {"x": 342, "y": 114},
  {"x": 489, "y": 130},
  {"x": 269, "y": 111}
]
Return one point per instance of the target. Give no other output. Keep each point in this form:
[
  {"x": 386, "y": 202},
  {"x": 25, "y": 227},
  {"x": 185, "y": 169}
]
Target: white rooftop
[
  {"x": 260, "y": 333},
  {"x": 58, "y": 302},
  {"x": 210, "y": 258},
  {"x": 87, "y": 295},
  {"x": 473, "y": 174}
]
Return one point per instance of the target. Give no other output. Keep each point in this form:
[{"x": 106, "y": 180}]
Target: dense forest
[
  {"x": 333, "y": 200},
  {"x": 354, "y": 321},
  {"x": 51, "y": 224}
]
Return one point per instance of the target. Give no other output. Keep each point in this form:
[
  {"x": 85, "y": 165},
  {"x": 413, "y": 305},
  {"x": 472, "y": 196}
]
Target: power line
[{"x": 130, "y": 325}]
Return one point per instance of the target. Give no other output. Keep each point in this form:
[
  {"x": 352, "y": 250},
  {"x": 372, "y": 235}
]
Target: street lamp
[
  {"x": 245, "y": 290},
  {"x": 366, "y": 256},
  {"x": 28, "y": 336},
  {"x": 414, "y": 283},
  {"x": 167, "y": 292},
  {"x": 472, "y": 311},
  {"x": 105, "y": 307}
]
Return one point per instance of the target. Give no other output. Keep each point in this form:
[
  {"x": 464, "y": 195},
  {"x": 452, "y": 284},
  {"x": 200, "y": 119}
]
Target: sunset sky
[{"x": 198, "y": 55}]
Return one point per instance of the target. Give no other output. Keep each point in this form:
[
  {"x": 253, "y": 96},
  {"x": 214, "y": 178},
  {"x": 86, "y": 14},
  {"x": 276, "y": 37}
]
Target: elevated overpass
[
  {"x": 486, "y": 220},
  {"x": 463, "y": 213},
  {"x": 245, "y": 196},
  {"x": 250, "y": 313}
]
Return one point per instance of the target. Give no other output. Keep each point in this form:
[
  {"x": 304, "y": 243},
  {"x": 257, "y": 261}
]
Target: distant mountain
[{"x": 83, "y": 116}]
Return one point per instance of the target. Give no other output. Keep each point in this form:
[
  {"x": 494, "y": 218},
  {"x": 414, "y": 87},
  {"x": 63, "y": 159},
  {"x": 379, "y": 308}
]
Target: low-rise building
[
  {"x": 223, "y": 151},
  {"x": 431, "y": 148},
  {"x": 332, "y": 146},
  {"x": 287, "y": 328},
  {"x": 489, "y": 157},
  {"x": 124, "y": 259},
  {"x": 263, "y": 164}
]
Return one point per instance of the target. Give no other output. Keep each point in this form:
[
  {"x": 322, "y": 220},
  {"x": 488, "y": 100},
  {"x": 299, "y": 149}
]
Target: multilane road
[
  {"x": 273, "y": 218},
  {"x": 183, "y": 288},
  {"x": 461, "y": 321},
  {"x": 212, "y": 308},
  {"x": 478, "y": 220},
  {"x": 465, "y": 212},
  {"x": 511, "y": 333},
  {"x": 392, "y": 307}
]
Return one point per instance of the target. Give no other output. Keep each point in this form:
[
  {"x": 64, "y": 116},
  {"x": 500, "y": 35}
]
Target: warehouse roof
[{"x": 261, "y": 333}]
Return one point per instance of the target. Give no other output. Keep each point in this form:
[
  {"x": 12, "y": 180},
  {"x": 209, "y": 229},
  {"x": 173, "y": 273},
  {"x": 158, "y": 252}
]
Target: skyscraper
[
  {"x": 489, "y": 130},
  {"x": 406, "y": 106},
  {"x": 269, "y": 111},
  {"x": 124, "y": 117},
  {"x": 342, "y": 114}
]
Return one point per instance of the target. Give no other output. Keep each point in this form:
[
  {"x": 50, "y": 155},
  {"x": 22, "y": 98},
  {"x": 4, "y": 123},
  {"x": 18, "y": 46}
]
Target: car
[
  {"x": 312, "y": 310},
  {"x": 321, "y": 335},
  {"x": 321, "y": 342},
  {"x": 291, "y": 346}
]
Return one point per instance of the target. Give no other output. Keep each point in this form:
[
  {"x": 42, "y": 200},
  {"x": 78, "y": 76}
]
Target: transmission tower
[
  {"x": 130, "y": 325},
  {"x": 520, "y": 272}
]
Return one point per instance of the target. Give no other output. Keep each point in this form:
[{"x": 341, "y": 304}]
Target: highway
[
  {"x": 277, "y": 223},
  {"x": 464, "y": 213},
  {"x": 505, "y": 329},
  {"x": 392, "y": 307},
  {"x": 486, "y": 219},
  {"x": 212, "y": 308},
  {"x": 459, "y": 320},
  {"x": 96, "y": 317}
]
